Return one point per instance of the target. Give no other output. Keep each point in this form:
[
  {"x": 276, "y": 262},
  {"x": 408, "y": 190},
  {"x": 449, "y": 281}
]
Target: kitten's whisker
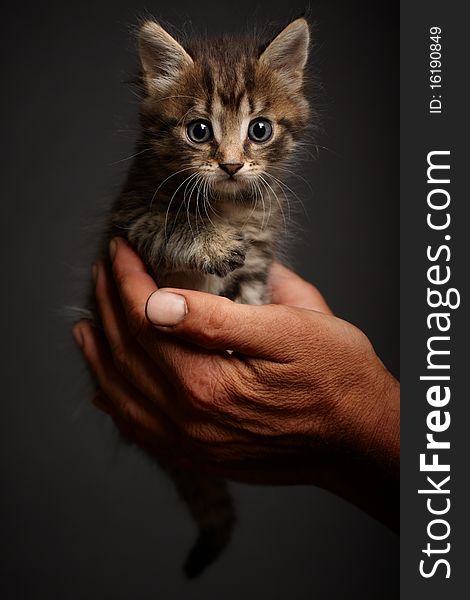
[
  {"x": 171, "y": 200},
  {"x": 268, "y": 188},
  {"x": 284, "y": 185},
  {"x": 136, "y": 94},
  {"x": 277, "y": 200},
  {"x": 166, "y": 235},
  {"x": 196, "y": 211},
  {"x": 210, "y": 190},
  {"x": 185, "y": 115},
  {"x": 254, "y": 204},
  {"x": 279, "y": 182},
  {"x": 164, "y": 181},
  {"x": 327, "y": 149},
  {"x": 206, "y": 201},
  {"x": 181, "y": 96},
  {"x": 198, "y": 195},
  {"x": 188, "y": 216},
  {"x": 293, "y": 173},
  {"x": 261, "y": 197},
  {"x": 256, "y": 199},
  {"x": 266, "y": 192},
  {"x": 203, "y": 196},
  {"x": 192, "y": 183},
  {"x": 129, "y": 157}
]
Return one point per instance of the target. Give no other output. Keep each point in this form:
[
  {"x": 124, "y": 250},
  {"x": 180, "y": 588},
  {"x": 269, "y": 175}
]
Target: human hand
[{"x": 302, "y": 398}]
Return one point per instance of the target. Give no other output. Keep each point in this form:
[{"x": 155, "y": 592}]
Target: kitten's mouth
[
  {"x": 242, "y": 176},
  {"x": 232, "y": 180},
  {"x": 231, "y": 184}
]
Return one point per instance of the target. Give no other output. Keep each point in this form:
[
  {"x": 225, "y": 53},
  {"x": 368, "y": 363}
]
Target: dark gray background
[{"x": 83, "y": 516}]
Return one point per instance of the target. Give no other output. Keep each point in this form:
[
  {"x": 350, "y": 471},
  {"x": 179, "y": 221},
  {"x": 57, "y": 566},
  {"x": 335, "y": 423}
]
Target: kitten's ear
[
  {"x": 162, "y": 57},
  {"x": 288, "y": 52}
]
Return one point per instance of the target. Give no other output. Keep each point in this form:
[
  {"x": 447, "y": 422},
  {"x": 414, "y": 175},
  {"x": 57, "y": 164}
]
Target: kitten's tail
[{"x": 211, "y": 506}]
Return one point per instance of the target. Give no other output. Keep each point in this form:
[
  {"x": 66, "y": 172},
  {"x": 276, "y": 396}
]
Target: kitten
[{"x": 202, "y": 203}]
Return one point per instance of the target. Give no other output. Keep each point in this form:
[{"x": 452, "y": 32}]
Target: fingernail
[
  {"x": 166, "y": 308},
  {"x": 78, "y": 336},
  {"x": 112, "y": 249}
]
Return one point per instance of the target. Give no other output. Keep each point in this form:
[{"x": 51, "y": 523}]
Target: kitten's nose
[{"x": 231, "y": 168}]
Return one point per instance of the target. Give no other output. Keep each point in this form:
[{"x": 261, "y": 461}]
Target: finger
[
  {"x": 209, "y": 321},
  {"x": 172, "y": 454},
  {"x": 135, "y": 286},
  {"x": 125, "y": 401},
  {"x": 288, "y": 288},
  {"x": 128, "y": 355},
  {"x": 101, "y": 402},
  {"x": 216, "y": 323},
  {"x": 133, "y": 283}
]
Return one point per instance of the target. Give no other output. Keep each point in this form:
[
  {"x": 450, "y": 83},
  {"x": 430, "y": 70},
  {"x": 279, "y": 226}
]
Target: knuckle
[
  {"x": 127, "y": 413},
  {"x": 120, "y": 277},
  {"x": 285, "y": 313},
  {"x": 122, "y": 361},
  {"x": 135, "y": 313},
  {"x": 132, "y": 415},
  {"x": 204, "y": 385},
  {"x": 212, "y": 333},
  {"x": 195, "y": 432},
  {"x": 135, "y": 319},
  {"x": 311, "y": 290},
  {"x": 230, "y": 385},
  {"x": 118, "y": 353},
  {"x": 290, "y": 328},
  {"x": 204, "y": 439}
]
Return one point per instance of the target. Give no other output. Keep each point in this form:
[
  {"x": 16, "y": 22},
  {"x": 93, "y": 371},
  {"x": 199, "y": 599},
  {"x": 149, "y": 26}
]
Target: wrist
[
  {"x": 362, "y": 455},
  {"x": 379, "y": 437},
  {"x": 372, "y": 480}
]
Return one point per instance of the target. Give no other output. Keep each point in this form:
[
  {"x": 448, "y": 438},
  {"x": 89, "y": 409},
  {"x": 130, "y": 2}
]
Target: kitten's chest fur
[{"x": 227, "y": 253}]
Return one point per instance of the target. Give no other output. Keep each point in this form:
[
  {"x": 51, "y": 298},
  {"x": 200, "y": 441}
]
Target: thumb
[{"x": 217, "y": 323}]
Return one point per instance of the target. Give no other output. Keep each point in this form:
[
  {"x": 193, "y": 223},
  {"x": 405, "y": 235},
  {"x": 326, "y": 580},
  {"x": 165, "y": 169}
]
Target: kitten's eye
[
  {"x": 199, "y": 131},
  {"x": 260, "y": 130}
]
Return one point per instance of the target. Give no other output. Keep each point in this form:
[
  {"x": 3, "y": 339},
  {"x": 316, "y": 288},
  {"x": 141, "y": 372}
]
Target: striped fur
[{"x": 194, "y": 225}]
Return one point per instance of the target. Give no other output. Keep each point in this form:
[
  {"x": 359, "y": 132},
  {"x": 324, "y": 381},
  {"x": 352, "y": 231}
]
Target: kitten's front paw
[{"x": 230, "y": 259}]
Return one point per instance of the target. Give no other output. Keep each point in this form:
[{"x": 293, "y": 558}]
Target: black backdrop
[{"x": 83, "y": 516}]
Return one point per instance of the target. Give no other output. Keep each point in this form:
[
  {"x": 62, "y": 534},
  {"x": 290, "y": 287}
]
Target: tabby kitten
[{"x": 203, "y": 200}]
